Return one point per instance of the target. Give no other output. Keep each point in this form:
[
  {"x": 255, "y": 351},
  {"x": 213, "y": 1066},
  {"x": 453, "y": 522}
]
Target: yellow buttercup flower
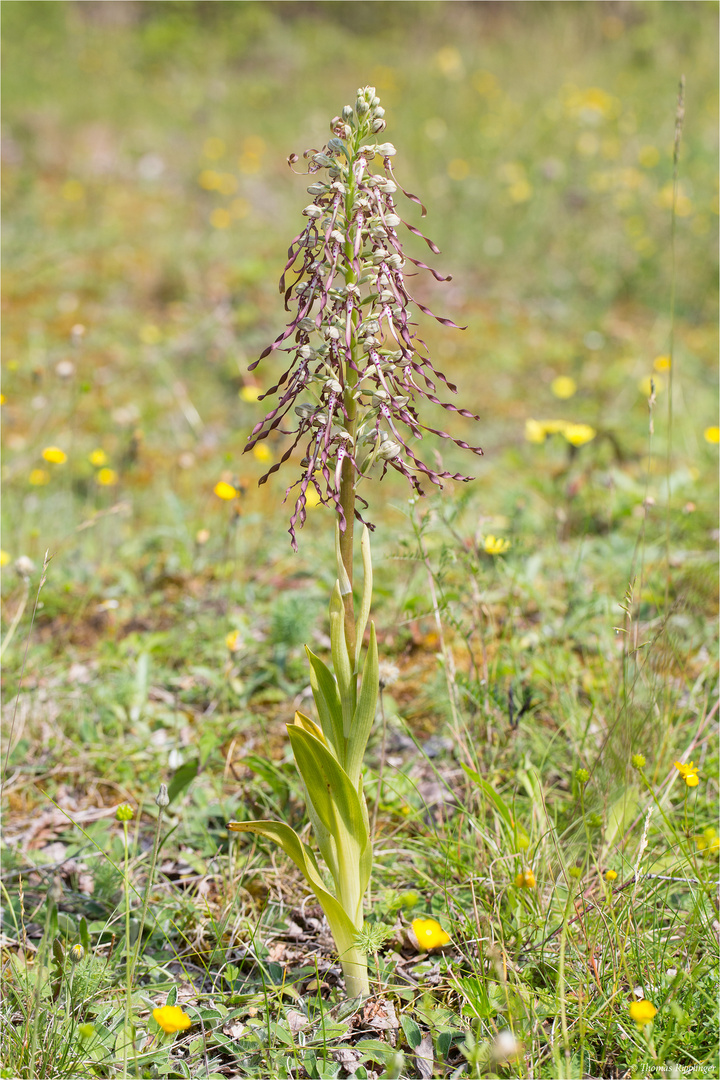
[
  {"x": 688, "y": 772},
  {"x": 262, "y": 453},
  {"x": 495, "y": 545},
  {"x": 250, "y": 393},
  {"x": 535, "y": 431},
  {"x": 171, "y": 1018},
  {"x": 107, "y": 477},
  {"x": 98, "y": 458},
  {"x": 610, "y": 875},
  {"x": 525, "y": 880},
  {"x": 642, "y": 1012},
  {"x": 223, "y": 490},
  {"x": 708, "y": 843},
  {"x": 579, "y": 434},
  {"x": 54, "y": 455},
  {"x": 429, "y": 933},
  {"x": 5, "y": 558},
  {"x": 232, "y": 640},
  {"x": 38, "y": 477},
  {"x": 712, "y": 434},
  {"x": 563, "y": 387}
]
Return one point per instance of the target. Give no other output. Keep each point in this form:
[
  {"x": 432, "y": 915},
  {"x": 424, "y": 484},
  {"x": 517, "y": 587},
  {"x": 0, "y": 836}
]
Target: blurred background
[{"x": 148, "y": 207}]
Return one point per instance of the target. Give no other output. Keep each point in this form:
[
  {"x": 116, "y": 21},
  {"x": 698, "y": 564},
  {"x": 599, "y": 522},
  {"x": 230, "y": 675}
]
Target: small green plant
[{"x": 356, "y": 373}]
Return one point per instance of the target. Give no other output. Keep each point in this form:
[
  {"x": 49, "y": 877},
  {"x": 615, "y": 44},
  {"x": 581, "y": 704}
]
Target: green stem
[
  {"x": 148, "y": 887},
  {"x": 128, "y": 951}
]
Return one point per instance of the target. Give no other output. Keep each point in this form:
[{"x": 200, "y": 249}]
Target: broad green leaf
[
  {"x": 327, "y": 703},
  {"x": 490, "y": 793},
  {"x": 325, "y": 840},
  {"x": 364, "y": 716},
  {"x": 337, "y": 804},
  {"x": 341, "y": 660},
  {"x": 182, "y": 779},
  {"x": 341, "y": 925},
  {"x": 413, "y": 1034},
  {"x": 366, "y": 601}
]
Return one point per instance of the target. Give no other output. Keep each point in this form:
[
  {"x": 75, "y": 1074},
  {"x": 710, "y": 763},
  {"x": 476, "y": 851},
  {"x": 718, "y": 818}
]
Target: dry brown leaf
[{"x": 424, "y": 1058}]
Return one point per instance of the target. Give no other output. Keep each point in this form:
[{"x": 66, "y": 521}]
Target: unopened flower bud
[
  {"x": 304, "y": 411},
  {"x": 317, "y": 188},
  {"x": 323, "y": 160},
  {"x": 124, "y": 812},
  {"x": 638, "y": 761},
  {"x": 582, "y": 776},
  {"x": 313, "y": 211},
  {"x": 361, "y": 107},
  {"x": 389, "y": 450},
  {"x": 386, "y": 149},
  {"x": 378, "y": 112},
  {"x": 76, "y": 954},
  {"x": 161, "y": 799},
  {"x": 347, "y": 113},
  {"x": 378, "y": 126}
]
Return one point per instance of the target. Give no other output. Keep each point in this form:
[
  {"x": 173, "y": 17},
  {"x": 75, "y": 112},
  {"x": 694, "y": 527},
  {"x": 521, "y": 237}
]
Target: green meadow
[{"x": 542, "y": 773}]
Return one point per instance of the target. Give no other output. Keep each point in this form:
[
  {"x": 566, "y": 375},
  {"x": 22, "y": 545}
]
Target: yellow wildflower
[
  {"x": 107, "y": 477},
  {"x": 429, "y": 933},
  {"x": 525, "y": 880},
  {"x": 662, "y": 363},
  {"x": 712, "y": 434},
  {"x": 5, "y": 558},
  {"x": 535, "y": 431},
  {"x": 262, "y": 453},
  {"x": 642, "y": 1012},
  {"x": 250, "y": 393},
  {"x": 579, "y": 434},
  {"x": 688, "y": 772},
  {"x": 563, "y": 387},
  {"x": 610, "y": 875},
  {"x": 232, "y": 640},
  {"x": 98, "y": 458},
  {"x": 223, "y": 490},
  {"x": 708, "y": 843},
  {"x": 54, "y": 455},
  {"x": 171, "y": 1018},
  {"x": 38, "y": 477},
  {"x": 495, "y": 545},
  {"x": 209, "y": 179}
]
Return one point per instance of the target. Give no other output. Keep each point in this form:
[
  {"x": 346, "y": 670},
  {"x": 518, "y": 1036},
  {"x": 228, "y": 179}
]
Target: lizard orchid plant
[{"x": 351, "y": 390}]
